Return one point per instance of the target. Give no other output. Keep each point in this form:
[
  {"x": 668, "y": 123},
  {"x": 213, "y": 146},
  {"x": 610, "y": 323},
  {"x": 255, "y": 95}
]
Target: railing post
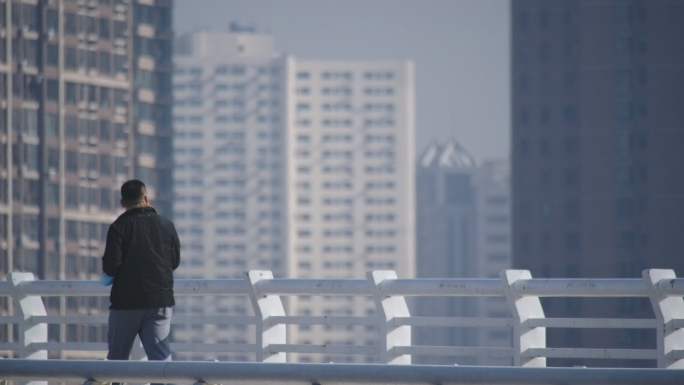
[
  {"x": 30, "y": 332},
  {"x": 668, "y": 310},
  {"x": 27, "y": 307},
  {"x": 266, "y": 306},
  {"x": 523, "y": 309},
  {"x": 388, "y": 308}
]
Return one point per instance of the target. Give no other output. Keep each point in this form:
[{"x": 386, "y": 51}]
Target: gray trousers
[{"x": 152, "y": 325}]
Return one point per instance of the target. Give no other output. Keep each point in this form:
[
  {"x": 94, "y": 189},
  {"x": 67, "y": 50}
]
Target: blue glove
[{"x": 106, "y": 280}]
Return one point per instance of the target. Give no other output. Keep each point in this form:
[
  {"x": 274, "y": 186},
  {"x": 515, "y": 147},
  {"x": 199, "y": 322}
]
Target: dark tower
[{"x": 598, "y": 147}]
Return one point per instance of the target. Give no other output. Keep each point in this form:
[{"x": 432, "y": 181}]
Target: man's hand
[{"x": 106, "y": 280}]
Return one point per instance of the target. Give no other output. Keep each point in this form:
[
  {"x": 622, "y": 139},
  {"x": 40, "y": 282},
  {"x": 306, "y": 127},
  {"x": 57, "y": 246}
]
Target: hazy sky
[{"x": 460, "y": 48}]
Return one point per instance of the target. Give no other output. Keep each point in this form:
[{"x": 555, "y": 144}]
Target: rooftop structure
[{"x": 463, "y": 231}]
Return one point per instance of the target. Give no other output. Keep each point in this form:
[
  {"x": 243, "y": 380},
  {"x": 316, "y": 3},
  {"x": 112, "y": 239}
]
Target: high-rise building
[
  {"x": 229, "y": 184},
  {"x": 463, "y": 231},
  {"x": 73, "y": 128},
  {"x": 597, "y": 90},
  {"x": 301, "y": 167},
  {"x": 350, "y": 182}
]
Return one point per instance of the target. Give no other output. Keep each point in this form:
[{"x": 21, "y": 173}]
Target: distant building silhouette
[
  {"x": 598, "y": 148},
  {"x": 463, "y": 231}
]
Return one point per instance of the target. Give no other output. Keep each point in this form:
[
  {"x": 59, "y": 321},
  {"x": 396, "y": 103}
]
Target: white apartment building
[
  {"x": 229, "y": 188},
  {"x": 350, "y": 178},
  {"x": 305, "y": 168},
  {"x": 463, "y": 231}
]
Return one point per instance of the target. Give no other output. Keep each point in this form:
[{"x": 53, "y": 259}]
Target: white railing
[
  {"x": 527, "y": 322},
  {"x": 205, "y": 373}
]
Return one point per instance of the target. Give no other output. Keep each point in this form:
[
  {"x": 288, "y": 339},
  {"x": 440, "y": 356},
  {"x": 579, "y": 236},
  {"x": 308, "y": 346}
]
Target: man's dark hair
[{"x": 133, "y": 191}]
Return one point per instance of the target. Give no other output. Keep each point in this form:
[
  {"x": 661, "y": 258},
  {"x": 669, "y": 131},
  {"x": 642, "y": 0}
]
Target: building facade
[
  {"x": 597, "y": 147},
  {"x": 350, "y": 182},
  {"x": 300, "y": 167},
  {"x": 70, "y": 135},
  {"x": 463, "y": 231},
  {"x": 229, "y": 187}
]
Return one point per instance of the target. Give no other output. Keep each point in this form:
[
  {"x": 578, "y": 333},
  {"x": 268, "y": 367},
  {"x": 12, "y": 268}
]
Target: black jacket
[{"x": 141, "y": 254}]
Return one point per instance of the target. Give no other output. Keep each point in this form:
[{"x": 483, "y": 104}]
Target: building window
[
  {"x": 523, "y": 21},
  {"x": 523, "y": 179},
  {"x": 458, "y": 189},
  {"x": 523, "y": 147},
  {"x": 120, "y": 29},
  {"x": 625, "y": 47},
  {"x": 70, "y": 93},
  {"x": 71, "y": 195},
  {"x": 69, "y": 23},
  {"x": 624, "y": 112},
  {"x": 52, "y": 125},
  {"x": 572, "y": 210},
  {"x": 120, "y": 64},
  {"x": 52, "y": 89},
  {"x": 625, "y": 240},
  {"x": 70, "y": 127},
  {"x": 571, "y": 51},
  {"x": 624, "y": 208},
  {"x": 545, "y": 179},
  {"x": 524, "y": 242},
  {"x": 105, "y": 199},
  {"x": 545, "y": 147},
  {"x": 545, "y": 242},
  {"x": 625, "y": 143},
  {"x": 544, "y": 20},
  {"x": 570, "y": 18},
  {"x": 625, "y": 175},
  {"x": 104, "y": 29},
  {"x": 624, "y": 80},
  {"x": 572, "y": 242},
  {"x": 105, "y": 164},
  {"x": 571, "y": 83},
  {"x": 31, "y": 157},
  {"x": 71, "y": 158},
  {"x": 105, "y": 97},
  {"x": 572, "y": 115},
  {"x": 105, "y": 59},
  {"x": 545, "y": 210},
  {"x": 544, "y": 52},
  {"x": 523, "y": 52},
  {"x": 69, "y": 59},
  {"x": 523, "y": 115},
  {"x": 572, "y": 146},
  {"x": 497, "y": 201},
  {"x": 572, "y": 177}
]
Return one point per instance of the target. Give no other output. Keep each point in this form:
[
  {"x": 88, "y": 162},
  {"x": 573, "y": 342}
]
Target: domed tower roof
[
  {"x": 455, "y": 156},
  {"x": 448, "y": 155},
  {"x": 429, "y": 155}
]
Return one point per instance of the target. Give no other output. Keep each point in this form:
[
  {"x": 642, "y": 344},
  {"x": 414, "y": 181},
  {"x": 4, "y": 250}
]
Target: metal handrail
[
  {"x": 391, "y": 318},
  {"x": 623, "y": 287},
  {"x": 308, "y": 374}
]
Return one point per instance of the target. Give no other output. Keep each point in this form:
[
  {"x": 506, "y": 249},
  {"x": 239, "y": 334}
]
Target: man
[{"x": 141, "y": 253}]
